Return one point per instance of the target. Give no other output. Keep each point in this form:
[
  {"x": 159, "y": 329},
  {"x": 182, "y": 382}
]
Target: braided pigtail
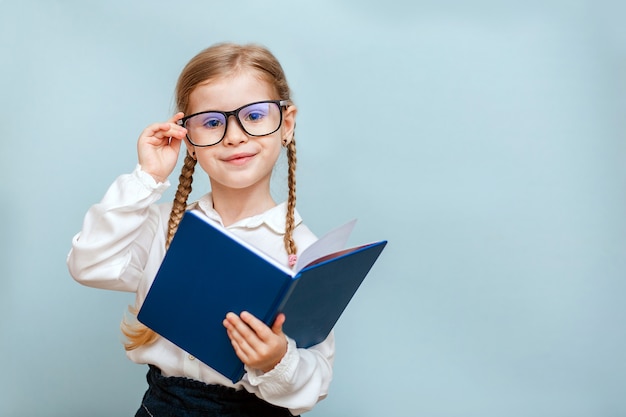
[
  {"x": 290, "y": 244},
  {"x": 180, "y": 199},
  {"x": 136, "y": 333}
]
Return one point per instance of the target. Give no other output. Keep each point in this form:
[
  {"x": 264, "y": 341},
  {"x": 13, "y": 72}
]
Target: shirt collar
[{"x": 274, "y": 218}]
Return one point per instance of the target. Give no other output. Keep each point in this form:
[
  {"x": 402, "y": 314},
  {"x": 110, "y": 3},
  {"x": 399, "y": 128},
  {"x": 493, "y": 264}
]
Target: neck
[{"x": 235, "y": 204}]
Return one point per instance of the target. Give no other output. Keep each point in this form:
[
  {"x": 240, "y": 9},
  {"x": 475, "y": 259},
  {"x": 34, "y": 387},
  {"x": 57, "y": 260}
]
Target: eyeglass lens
[{"x": 257, "y": 119}]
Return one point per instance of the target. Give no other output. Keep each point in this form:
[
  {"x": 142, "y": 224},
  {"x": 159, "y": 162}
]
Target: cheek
[
  {"x": 205, "y": 159},
  {"x": 277, "y": 148}
]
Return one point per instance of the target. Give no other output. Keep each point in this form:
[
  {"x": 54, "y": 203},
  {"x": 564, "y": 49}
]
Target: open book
[{"x": 208, "y": 272}]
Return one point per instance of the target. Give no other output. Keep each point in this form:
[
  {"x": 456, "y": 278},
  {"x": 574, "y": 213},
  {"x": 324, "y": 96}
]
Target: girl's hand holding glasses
[{"x": 158, "y": 147}]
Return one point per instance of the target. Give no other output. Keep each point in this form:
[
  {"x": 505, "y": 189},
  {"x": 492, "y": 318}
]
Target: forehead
[{"x": 230, "y": 92}]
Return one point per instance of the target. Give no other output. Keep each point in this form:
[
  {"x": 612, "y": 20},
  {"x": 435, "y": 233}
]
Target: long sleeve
[
  {"x": 300, "y": 380},
  {"x": 113, "y": 246}
]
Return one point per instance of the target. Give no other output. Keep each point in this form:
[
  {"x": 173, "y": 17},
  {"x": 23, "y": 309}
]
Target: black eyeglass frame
[{"x": 281, "y": 105}]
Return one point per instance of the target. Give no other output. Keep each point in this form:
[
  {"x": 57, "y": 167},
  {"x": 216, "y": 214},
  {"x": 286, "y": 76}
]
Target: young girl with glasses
[{"x": 235, "y": 116}]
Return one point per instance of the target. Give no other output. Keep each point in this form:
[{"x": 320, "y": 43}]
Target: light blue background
[{"x": 484, "y": 139}]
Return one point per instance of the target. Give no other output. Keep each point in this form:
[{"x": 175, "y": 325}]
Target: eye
[
  {"x": 254, "y": 113},
  {"x": 211, "y": 120},
  {"x": 212, "y": 123},
  {"x": 253, "y": 117}
]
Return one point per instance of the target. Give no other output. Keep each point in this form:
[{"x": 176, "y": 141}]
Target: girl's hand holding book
[{"x": 257, "y": 345}]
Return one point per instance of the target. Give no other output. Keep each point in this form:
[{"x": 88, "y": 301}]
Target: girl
[{"x": 235, "y": 115}]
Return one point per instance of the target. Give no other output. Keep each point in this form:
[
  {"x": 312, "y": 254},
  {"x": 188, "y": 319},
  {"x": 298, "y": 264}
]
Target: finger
[
  {"x": 237, "y": 340},
  {"x": 260, "y": 327},
  {"x": 172, "y": 128},
  {"x": 277, "y": 327},
  {"x": 171, "y": 131},
  {"x": 175, "y": 144},
  {"x": 163, "y": 131},
  {"x": 242, "y": 347},
  {"x": 262, "y": 331},
  {"x": 234, "y": 323},
  {"x": 175, "y": 118}
]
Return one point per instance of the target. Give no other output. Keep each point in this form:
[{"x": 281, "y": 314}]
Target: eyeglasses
[{"x": 208, "y": 128}]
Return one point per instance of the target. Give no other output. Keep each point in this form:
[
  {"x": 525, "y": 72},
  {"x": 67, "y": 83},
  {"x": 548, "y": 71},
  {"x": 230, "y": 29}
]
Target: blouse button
[{"x": 191, "y": 357}]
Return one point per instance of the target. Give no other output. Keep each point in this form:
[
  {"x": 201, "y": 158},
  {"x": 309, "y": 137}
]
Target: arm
[{"x": 118, "y": 234}]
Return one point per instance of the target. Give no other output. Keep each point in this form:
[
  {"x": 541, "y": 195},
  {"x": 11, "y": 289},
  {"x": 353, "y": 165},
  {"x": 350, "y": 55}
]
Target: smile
[{"x": 239, "y": 159}]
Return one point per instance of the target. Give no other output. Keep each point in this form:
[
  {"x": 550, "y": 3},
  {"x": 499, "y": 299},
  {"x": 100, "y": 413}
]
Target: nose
[{"x": 234, "y": 134}]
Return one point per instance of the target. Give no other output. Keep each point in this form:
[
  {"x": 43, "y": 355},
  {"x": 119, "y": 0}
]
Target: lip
[{"x": 239, "y": 158}]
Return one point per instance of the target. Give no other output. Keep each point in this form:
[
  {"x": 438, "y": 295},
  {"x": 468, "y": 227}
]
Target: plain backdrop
[{"x": 484, "y": 139}]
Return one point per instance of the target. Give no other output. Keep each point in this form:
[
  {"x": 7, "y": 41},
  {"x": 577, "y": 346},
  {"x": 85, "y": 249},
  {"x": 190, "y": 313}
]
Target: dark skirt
[{"x": 183, "y": 397}]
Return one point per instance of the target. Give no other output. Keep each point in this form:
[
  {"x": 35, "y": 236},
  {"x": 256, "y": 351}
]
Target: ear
[{"x": 289, "y": 124}]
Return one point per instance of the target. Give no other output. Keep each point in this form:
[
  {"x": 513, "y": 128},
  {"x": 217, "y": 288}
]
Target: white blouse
[{"x": 121, "y": 246}]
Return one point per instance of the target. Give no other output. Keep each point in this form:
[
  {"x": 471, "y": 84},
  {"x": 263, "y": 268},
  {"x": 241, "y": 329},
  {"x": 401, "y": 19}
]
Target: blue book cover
[{"x": 208, "y": 272}]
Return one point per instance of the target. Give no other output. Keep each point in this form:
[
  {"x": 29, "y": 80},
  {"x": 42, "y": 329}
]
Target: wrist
[
  {"x": 275, "y": 363},
  {"x": 149, "y": 180},
  {"x": 158, "y": 179}
]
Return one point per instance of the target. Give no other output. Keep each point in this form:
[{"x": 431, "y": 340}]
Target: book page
[{"x": 331, "y": 242}]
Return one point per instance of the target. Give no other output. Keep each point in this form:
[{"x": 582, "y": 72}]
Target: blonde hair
[{"x": 214, "y": 62}]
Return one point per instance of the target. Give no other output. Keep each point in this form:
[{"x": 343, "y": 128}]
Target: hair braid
[
  {"x": 136, "y": 333},
  {"x": 290, "y": 244},
  {"x": 180, "y": 199}
]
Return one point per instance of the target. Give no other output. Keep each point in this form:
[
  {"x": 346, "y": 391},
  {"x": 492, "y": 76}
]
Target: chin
[{"x": 243, "y": 184}]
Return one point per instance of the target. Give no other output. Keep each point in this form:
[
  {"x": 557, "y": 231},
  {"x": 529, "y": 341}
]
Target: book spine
[
  {"x": 281, "y": 300},
  {"x": 285, "y": 298}
]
